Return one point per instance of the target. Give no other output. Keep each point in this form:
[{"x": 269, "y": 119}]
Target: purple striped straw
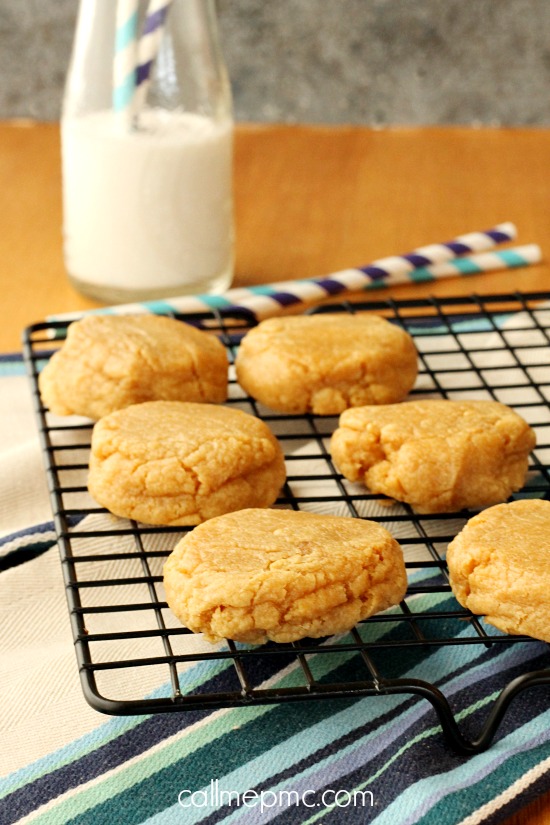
[{"x": 149, "y": 44}]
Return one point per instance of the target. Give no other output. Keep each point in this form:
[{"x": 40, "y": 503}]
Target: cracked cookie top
[
  {"x": 112, "y": 361},
  {"x": 175, "y": 462},
  {"x": 282, "y": 575},
  {"x": 436, "y": 455},
  {"x": 326, "y": 363}
]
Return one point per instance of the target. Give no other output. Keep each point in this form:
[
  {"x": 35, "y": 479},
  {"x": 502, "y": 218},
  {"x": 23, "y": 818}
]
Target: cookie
[
  {"x": 176, "y": 462},
  {"x": 112, "y": 361},
  {"x": 326, "y": 363},
  {"x": 282, "y": 575},
  {"x": 437, "y": 455},
  {"x": 499, "y": 567}
]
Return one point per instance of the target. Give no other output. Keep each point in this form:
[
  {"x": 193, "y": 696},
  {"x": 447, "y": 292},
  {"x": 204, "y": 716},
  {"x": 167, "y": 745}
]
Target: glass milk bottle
[{"x": 146, "y": 135}]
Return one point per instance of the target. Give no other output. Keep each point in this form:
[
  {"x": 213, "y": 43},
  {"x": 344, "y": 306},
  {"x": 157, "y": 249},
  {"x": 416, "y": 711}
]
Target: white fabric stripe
[
  {"x": 516, "y": 788},
  {"x": 20, "y": 542}
]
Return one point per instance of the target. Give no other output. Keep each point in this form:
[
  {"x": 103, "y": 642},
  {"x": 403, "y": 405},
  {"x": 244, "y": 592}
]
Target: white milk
[{"x": 147, "y": 213}]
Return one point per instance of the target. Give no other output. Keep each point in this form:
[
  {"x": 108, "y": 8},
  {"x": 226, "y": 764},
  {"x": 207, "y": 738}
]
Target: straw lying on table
[{"x": 427, "y": 263}]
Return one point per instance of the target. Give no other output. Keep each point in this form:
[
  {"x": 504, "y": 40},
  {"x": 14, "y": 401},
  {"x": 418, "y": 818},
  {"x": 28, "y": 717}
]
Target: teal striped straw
[{"x": 125, "y": 59}]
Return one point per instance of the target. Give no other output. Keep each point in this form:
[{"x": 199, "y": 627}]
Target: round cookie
[
  {"x": 437, "y": 455},
  {"x": 112, "y": 361},
  {"x": 326, "y": 363},
  {"x": 282, "y": 575},
  {"x": 176, "y": 462},
  {"x": 499, "y": 567}
]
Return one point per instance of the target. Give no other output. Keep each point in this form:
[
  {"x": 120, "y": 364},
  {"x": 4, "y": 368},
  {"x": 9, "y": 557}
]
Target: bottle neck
[{"x": 178, "y": 64}]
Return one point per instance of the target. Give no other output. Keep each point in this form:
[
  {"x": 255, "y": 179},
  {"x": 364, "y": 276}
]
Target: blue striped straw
[
  {"x": 124, "y": 66},
  {"x": 149, "y": 44},
  {"x": 266, "y": 300}
]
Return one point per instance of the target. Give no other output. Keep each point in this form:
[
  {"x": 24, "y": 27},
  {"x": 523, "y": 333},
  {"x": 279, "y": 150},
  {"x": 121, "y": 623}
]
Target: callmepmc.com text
[{"x": 216, "y": 797}]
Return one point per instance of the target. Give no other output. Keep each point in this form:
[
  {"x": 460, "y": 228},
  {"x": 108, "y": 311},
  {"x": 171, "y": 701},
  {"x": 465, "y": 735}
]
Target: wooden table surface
[{"x": 309, "y": 201}]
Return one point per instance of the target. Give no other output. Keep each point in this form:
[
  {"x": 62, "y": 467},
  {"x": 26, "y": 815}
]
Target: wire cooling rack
[{"x": 134, "y": 657}]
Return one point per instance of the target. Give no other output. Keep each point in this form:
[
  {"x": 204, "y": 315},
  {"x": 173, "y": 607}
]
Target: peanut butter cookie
[
  {"x": 282, "y": 575},
  {"x": 112, "y": 361},
  {"x": 436, "y": 455},
  {"x": 499, "y": 567},
  {"x": 326, "y": 363},
  {"x": 176, "y": 462}
]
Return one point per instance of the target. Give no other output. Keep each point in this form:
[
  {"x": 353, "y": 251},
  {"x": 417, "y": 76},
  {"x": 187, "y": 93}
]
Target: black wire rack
[{"x": 133, "y": 655}]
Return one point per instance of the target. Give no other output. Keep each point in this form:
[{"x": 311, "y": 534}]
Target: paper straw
[
  {"x": 267, "y": 300},
  {"x": 474, "y": 264},
  {"x": 149, "y": 44},
  {"x": 392, "y": 267},
  {"x": 125, "y": 57},
  {"x": 275, "y": 299}
]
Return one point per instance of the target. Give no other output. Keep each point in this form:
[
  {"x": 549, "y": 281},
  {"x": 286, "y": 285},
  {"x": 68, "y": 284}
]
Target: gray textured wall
[{"x": 329, "y": 61}]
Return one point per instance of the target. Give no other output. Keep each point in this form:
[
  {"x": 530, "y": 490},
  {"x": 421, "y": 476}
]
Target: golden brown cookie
[
  {"x": 326, "y": 363},
  {"x": 282, "y": 575},
  {"x": 111, "y": 361},
  {"x": 176, "y": 462},
  {"x": 499, "y": 567},
  {"x": 436, "y": 455}
]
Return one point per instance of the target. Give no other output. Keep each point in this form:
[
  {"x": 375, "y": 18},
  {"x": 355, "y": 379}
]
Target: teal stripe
[
  {"x": 375, "y": 285},
  {"x": 466, "y": 266},
  {"x": 10, "y": 368},
  {"x": 126, "y": 33},
  {"x": 511, "y": 258},
  {"x": 123, "y": 94},
  {"x": 160, "y": 307},
  {"x": 263, "y": 289},
  {"x": 216, "y": 301},
  {"x": 421, "y": 275}
]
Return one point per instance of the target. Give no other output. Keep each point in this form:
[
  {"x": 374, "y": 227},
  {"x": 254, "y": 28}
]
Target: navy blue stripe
[
  {"x": 375, "y": 273},
  {"x": 498, "y": 237},
  {"x": 143, "y": 71},
  {"x": 418, "y": 260},
  {"x": 11, "y": 357},
  {"x": 286, "y": 299},
  {"x": 457, "y": 248},
  {"x": 331, "y": 286},
  {"x": 23, "y": 554},
  {"x": 155, "y": 20}
]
